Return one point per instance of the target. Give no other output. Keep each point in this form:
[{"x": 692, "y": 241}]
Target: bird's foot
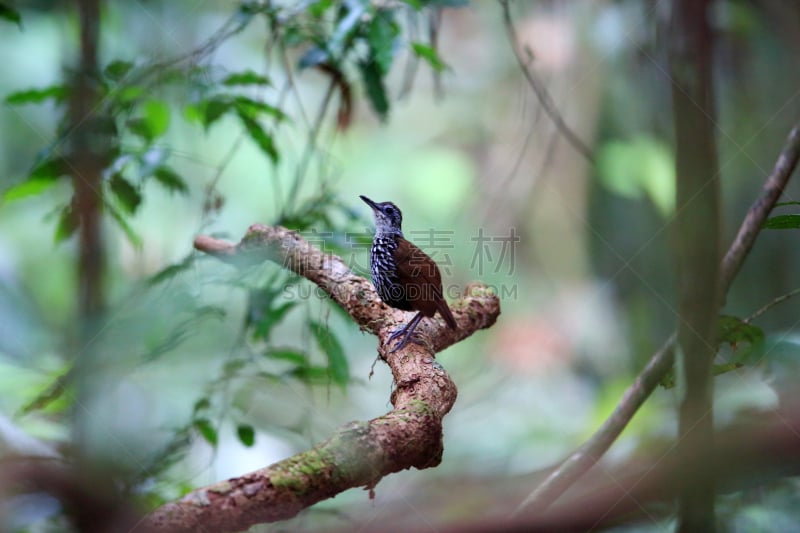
[{"x": 407, "y": 336}]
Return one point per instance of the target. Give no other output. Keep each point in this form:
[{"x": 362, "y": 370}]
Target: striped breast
[{"x": 384, "y": 273}]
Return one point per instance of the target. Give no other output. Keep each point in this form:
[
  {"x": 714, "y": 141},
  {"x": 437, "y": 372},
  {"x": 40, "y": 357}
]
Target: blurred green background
[{"x": 181, "y": 372}]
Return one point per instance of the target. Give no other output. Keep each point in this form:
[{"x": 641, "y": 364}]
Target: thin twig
[
  {"x": 311, "y": 146},
  {"x": 582, "y": 459},
  {"x": 412, "y": 62},
  {"x": 434, "y": 24},
  {"x": 233, "y": 25},
  {"x": 540, "y": 90},
  {"x": 784, "y": 166},
  {"x": 223, "y": 164},
  {"x": 780, "y": 299}
]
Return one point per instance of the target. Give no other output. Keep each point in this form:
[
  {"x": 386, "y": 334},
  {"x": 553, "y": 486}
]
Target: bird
[{"x": 404, "y": 276}]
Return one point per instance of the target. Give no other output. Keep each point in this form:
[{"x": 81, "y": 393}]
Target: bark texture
[
  {"x": 359, "y": 454},
  {"x": 698, "y": 251}
]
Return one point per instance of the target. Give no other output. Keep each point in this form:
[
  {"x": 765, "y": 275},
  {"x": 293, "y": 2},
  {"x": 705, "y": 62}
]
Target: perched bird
[{"x": 404, "y": 276}]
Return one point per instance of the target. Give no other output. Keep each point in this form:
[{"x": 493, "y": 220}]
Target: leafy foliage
[
  {"x": 330, "y": 345},
  {"x": 246, "y": 434},
  {"x": 58, "y": 93},
  {"x": 429, "y": 54},
  {"x": 10, "y": 14},
  {"x": 206, "y": 430},
  {"x": 140, "y": 107},
  {"x": 735, "y": 333},
  {"x": 783, "y": 222}
]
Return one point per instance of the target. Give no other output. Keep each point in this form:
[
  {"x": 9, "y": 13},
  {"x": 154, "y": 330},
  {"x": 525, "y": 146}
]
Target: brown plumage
[{"x": 404, "y": 276}]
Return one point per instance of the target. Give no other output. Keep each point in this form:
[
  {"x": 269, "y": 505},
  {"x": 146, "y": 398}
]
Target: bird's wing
[{"x": 419, "y": 277}]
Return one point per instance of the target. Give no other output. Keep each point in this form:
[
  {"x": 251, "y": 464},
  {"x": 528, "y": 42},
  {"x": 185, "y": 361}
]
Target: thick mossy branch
[{"x": 359, "y": 454}]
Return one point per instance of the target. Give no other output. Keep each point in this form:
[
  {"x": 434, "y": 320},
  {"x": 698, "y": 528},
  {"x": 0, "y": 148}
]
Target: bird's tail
[{"x": 444, "y": 310}]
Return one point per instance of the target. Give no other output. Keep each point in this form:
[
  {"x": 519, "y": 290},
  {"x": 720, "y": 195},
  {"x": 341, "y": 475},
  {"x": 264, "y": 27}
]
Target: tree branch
[
  {"x": 539, "y": 89},
  {"x": 582, "y": 459},
  {"x": 758, "y": 212},
  {"x": 359, "y": 454},
  {"x": 698, "y": 222},
  {"x": 86, "y": 167},
  {"x": 750, "y": 453},
  {"x": 91, "y": 501}
]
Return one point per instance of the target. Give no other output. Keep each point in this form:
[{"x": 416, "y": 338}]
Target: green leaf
[
  {"x": 288, "y": 354},
  {"x": 311, "y": 374},
  {"x": 154, "y": 121},
  {"x": 248, "y": 9},
  {"x": 232, "y": 367},
  {"x": 172, "y": 341},
  {"x": 128, "y": 195},
  {"x": 117, "y": 69},
  {"x": 126, "y": 228},
  {"x": 268, "y": 317},
  {"x": 157, "y": 114},
  {"x": 138, "y": 126},
  {"x": 376, "y": 91},
  {"x": 51, "y": 168},
  {"x": 214, "y": 108},
  {"x": 36, "y": 96},
  {"x": 318, "y": 8},
  {"x": 204, "y": 427},
  {"x": 247, "y": 77},
  {"x": 201, "y": 405},
  {"x": 252, "y": 108},
  {"x": 67, "y": 224},
  {"x": 266, "y": 307},
  {"x": 55, "y": 397},
  {"x": 783, "y": 222},
  {"x": 194, "y": 112},
  {"x": 261, "y": 137},
  {"x": 170, "y": 180},
  {"x": 129, "y": 94},
  {"x": 428, "y": 54},
  {"x": 171, "y": 271},
  {"x": 734, "y": 331},
  {"x": 724, "y": 368},
  {"x": 640, "y": 166},
  {"x": 383, "y": 31},
  {"x": 269, "y": 377},
  {"x": 10, "y": 14},
  {"x": 42, "y": 177},
  {"x": 29, "y": 187},
  {"x": 328, "y": 343},
  {"x": 246, "y": 434}
]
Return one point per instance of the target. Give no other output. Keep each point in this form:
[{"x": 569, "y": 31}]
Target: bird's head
[{"x": 388, "y": 218}]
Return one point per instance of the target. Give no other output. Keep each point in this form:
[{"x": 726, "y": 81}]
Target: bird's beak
[{"x": 369, "y": 202}]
